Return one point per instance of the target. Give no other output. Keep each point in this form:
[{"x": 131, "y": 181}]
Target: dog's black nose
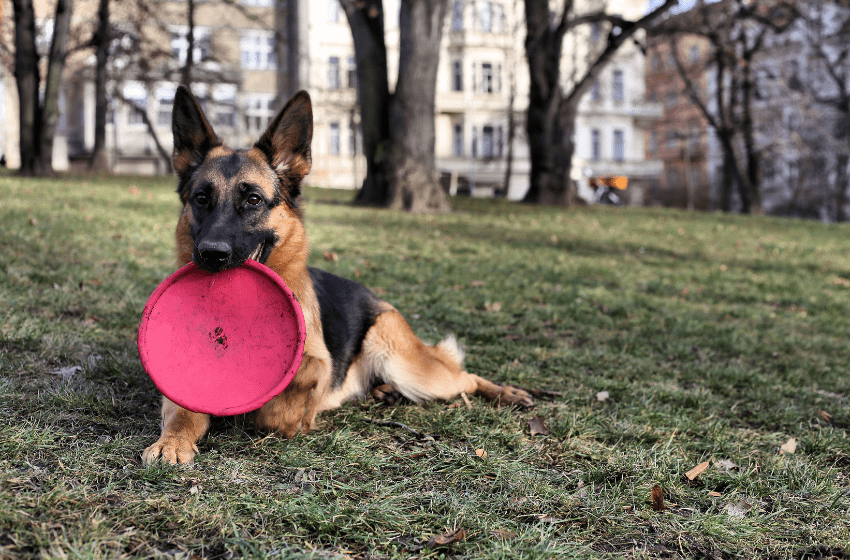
[{"x": 214, "y": 253}]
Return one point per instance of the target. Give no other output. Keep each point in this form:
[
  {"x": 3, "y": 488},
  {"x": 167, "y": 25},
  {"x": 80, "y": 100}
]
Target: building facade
[
  {"x": 251, "y": 54},
  {"x": 680, "y": 138}
]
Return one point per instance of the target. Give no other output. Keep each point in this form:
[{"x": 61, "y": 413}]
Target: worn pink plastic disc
[{"x": 222, "y": 343}]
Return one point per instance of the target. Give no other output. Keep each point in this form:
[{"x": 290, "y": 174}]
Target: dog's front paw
[
  {"x": 171, "y": 449},
  {"x": 512, "y": 396}
]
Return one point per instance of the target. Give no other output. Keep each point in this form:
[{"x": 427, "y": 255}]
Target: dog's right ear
[{"x": 193, "y": 137}]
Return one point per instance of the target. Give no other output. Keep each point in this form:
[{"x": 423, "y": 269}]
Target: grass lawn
[{"x": 672, "y": 338}]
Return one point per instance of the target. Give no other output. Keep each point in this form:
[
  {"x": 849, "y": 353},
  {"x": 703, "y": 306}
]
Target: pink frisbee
[{"x": 222, "y": 343}]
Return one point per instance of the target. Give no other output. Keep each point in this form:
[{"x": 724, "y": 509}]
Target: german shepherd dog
[{"x": 241, "y": 204}]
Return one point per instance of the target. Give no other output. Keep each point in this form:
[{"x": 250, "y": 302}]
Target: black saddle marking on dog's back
[{"x": 348, "y": 311}]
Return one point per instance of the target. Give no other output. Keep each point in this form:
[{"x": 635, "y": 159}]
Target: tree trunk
[
  {"x": 414, "y": 185},
  {"x": 552, "y": 112},
  {"x": 28, "y": 80},
  {"x": 53, "y": 82},
  {"x": 100, "y": 159},
  {"x": 186, "y": 73},
  {"x": 366, "y": 20}
]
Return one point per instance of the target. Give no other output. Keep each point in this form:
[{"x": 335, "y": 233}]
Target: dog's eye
[
  {"x": 254, "y": 200},
  {"x": 201, "y": 199}
]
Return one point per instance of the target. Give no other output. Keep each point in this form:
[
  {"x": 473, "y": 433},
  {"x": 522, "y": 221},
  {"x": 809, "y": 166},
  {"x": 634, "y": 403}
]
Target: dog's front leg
[
  {"x": 181, "y": 430},
  {"x": 297, "y": 406}
]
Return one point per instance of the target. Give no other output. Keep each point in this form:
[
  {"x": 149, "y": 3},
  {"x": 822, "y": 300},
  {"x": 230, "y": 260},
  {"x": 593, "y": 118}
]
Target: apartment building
[
  {"x": 680, "y": 139},
  {"x": 244, "y": 70}
]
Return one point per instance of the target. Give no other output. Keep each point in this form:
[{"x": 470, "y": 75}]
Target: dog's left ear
[
  {"x": 193, "y": 136},
  {"x": 286, "y": 143}
]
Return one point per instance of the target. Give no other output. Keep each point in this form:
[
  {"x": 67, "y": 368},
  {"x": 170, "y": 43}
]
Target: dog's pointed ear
[
  {"x": 286, "y": 143},
  {"x": 193, "y": 136}
]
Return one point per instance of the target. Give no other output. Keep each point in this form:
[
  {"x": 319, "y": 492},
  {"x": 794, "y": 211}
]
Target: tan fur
[{"x": 390, "y": 353}]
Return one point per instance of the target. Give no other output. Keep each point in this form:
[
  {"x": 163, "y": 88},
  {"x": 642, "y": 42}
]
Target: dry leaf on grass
[
  {"x": 715, "y": 494},
  {"x": 538, "y": 426},
  {"x": 331, "y": 256},
  {"x": 493, "y": 307},
  {"x": 481, "y": 453},
  {"x": 737, "y": 509},
  {"x": 726, "y": 465},
  {"x": 657, "y": 497},
  {"x": 697, "y": 470},
  {"x": 789, "y": 446},
  {"x": 501, "y": 534},
  {"x": 826, "y": 416},
  {"x": 447, "y": 538},
  {"x": 602, "y": 396}
]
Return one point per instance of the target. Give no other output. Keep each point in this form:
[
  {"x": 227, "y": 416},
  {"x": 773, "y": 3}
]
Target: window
[
  {"x": 673, "y": 179},
  {"x": 333, "y": 11},
  {"x": 655, "y": 62},
  {"x": 352, "y": 72},
  {"x": 671, "y": 140},
  {"x": 671, "y": 99},
  {"x": 333, "y": 139},
  {"x": 618, "y": 87},
  {"x": 693, "y": 54},
  {"x": 500, "y": 141},
  {"x": 224, "y": 97},
  {"x": 498, "y": 77},
  {"x": 619, "y": 145},
  {"x": 595, "y": 145},
  {"x": 487, "y": 142},
  {"x": 457, "y": 75},
  {"x": 487, "y": 77},
  {"x": 653, "y": 143},
  {"x": 595, "y": 31},
  {"x": 474, "y": 141},
  {"x": 180, "y": 44},
  {"x": 457, "y": 16},
  {"x": 595, "y": 90},
  {"x": 260, "y": 3},
  {"x": 333, "y": 73},
  {"x": 457, "y": 141},
  {"x": 257, "y": 50},
  {"x": 486, "y": 16},
  {"x": 165, "y": 101},
  {"x": 258, "y": 109},
  {"x": 694, "y": 137},
  {"x": 137, "y": 97}
]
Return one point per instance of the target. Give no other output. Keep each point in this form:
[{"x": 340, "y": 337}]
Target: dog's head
[{"x": 233, "y": 198}]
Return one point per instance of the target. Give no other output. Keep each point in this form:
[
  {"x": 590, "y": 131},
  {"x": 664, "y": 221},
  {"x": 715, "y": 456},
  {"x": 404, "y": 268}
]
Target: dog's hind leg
[
  {"x": 395, "y": 355},
  {"x": 181, "y": 430}
]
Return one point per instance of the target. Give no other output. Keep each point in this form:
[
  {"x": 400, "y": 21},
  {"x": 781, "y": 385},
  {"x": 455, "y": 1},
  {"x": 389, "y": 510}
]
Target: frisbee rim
[{"x": 256, "y": 403}]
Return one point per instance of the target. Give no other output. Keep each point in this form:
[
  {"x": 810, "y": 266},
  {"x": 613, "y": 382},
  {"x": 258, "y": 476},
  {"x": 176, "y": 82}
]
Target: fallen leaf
[
  {"x": 841, "y": 282},
  {"x": 827, "y": 394},
  {"x": 697, "y": 470},
  {"x": 554, "y": 239},
  {"x": 657, "y": 497},
  {"x": 789, "y": 446},
  {"x": 538, "y": 426},
  {"x": 195, "y": 489},
  {"x": 331, "y": 256},
  {"x": 447, "y": 538},
  {"x": 481, "y": 453},
  {"x": 33, "y": 221},
  {"x": 737, "y": 509},
  {"x": 502, "y": 534},
  {"x": 725, "y": 464},
  {"x": 493, "y": 307},
  {"x": 827, "y": 417},
  {"x": 715, "y": 494},
  {"x": 548, "y": 519},
  {"x": 477, "y": 283},
  {"x": 602, "y": 396}
]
